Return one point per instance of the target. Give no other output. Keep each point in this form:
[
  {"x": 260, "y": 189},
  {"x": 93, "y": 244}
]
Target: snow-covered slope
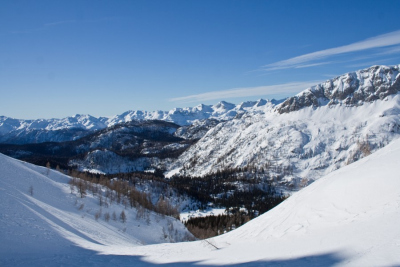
[
  {"x": 297, "y": 146},
  {"x": 40, "y": 215},
  {"x": 349, "y": 218}
]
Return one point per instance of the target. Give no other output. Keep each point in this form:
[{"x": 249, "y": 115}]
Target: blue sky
[{"x": 60, "y": 58}]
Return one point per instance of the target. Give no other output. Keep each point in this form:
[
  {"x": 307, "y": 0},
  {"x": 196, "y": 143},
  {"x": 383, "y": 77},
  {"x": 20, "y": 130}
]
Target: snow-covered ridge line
[
  {"x": 180, "y": 116},
  {"x": 71, "y": 128},
  {"x": 350, "y": 89}
]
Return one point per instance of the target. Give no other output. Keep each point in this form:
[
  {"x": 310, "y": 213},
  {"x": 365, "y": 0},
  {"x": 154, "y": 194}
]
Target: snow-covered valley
[{"x": 347, "y": 218}]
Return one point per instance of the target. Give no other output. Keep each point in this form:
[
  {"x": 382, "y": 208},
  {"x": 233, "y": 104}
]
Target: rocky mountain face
[
  {"x": 351, "y": 89},
  {"x": 307, "y": 136},
  {"x": 196, "y": 130}
]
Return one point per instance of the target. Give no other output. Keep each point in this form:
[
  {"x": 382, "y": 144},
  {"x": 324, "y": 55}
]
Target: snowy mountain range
[
  {"x": 350, "y": 89},
  {"x": 15, "y": 131},
  {"x": 293, "y": 142}
]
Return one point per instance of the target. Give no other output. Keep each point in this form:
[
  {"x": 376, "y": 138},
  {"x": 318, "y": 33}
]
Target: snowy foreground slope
[
  {"x": 350, "y": 217},
  {"x": 53, "y": 221}
]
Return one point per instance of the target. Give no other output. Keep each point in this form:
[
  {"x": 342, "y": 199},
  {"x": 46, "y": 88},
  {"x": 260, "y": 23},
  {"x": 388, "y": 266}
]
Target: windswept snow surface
[{"x": 350, "y": 217}]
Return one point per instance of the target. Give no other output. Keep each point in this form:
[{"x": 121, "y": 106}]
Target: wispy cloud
[
  {"x": 56, "y": 23},
  {"x": 312, "y": 65},
  {"x": 390, "y": 51},
  {"x": 384, "y": 40},
  {"x": 287, "y": 88}
]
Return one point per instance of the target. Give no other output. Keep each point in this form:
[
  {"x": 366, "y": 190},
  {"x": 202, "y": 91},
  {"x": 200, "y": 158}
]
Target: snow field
[{"x": 41, "y": 217}]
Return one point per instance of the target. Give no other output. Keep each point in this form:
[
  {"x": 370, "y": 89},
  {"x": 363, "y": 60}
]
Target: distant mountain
[
  {"x": 124, "y": 147},
  {"x": 15, "y": 131}
]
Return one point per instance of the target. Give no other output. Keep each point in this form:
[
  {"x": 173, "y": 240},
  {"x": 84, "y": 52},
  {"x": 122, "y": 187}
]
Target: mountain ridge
[
  {"x": 16, "y": 131},
  {"x": 350, "y": 89}
]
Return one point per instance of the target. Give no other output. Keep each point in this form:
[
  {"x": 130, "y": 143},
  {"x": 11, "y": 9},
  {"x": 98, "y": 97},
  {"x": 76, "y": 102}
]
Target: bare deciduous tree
[
  {"x": 114, "y": 216},
  {"x": 107, "y": 216},
  {"x": 97, "y": 215},
  {"x": 48, "y": 166},
  {"x": 122, "y": 217}
]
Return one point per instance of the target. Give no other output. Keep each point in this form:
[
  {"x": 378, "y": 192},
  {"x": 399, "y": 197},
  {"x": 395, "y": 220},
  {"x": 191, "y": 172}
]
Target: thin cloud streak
[
  {"x": 313, "y": 65},
  {"x": 286, "y": 88},
  {"x": 389, "y": 51},
  {"x": 389, "y": 39},
  {"x": 60, "y": 22}
]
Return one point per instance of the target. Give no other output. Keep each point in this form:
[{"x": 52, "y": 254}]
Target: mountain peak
[
  {"x": 350, "y": 89},
  {"x": 224, "y": 105}
]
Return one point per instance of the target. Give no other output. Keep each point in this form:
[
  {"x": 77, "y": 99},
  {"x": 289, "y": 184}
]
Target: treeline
[
  {"x": 205, "y": 186},
  {"x": 245, "y": 193},
  {"x": 233, "y": 189},
  {"x": 119, "y": 191},
  {"x": 210, "y": 226},
  {"x": 255, "y": 201}
]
